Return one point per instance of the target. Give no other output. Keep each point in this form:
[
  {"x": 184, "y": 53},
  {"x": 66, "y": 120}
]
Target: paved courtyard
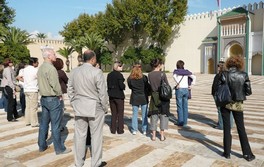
[{"x": 200, "y": 145}]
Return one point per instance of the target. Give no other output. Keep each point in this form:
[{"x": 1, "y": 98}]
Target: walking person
[
  {"x": 9, "y": 83},
  {"x": 184, "y": 79},
  {"x": 239, "y": 85},
  {"x": 158, "y": 108},
  {"x": 116, "y": 87},
  {"x": 50, "y": 91},
  {"x": 138, "y": 83},
  {"x": 63, "y": 79},
  {"x": 220, "y": 69},
  {"x": 88, "y": 96},
  {"x": 31, "y": 92}
]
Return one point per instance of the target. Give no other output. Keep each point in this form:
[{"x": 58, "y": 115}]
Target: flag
[{"x": 219, "y": 3}]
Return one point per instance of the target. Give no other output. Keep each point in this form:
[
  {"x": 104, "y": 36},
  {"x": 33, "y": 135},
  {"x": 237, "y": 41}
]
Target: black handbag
[
  {"x": 165, "y": 91},
  {"x": 223, "y": 94}
]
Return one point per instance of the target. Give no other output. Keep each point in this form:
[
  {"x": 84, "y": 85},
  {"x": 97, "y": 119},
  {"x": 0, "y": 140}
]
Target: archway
[
  {"x": 256, "y": 64},
  {"x": 235, "y": 49},
  {"x": 210, "y": 64}
]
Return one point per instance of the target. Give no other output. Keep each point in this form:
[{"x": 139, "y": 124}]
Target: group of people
[
  {"x": 50, "y": 81},
  {"x": 90, "y": 93}
]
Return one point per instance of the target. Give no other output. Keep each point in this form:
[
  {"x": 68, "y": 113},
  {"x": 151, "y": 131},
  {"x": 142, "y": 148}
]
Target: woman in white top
[{"x": 184, "y": 79}]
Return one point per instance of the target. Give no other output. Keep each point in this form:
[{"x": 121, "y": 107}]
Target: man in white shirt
[{"x": 31, "y": 92}]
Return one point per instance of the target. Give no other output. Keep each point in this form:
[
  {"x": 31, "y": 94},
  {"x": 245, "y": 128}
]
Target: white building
[{"x": 205, "y": 38}]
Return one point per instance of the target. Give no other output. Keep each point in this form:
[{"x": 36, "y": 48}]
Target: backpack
[{"x": 165, "y": 91}]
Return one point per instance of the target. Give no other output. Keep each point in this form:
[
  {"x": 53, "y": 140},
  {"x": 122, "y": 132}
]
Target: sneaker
[
  {"x": 68, "y": 150},
  {"x": 134, "y": 133},
  {"x": 144, "y": 133}
]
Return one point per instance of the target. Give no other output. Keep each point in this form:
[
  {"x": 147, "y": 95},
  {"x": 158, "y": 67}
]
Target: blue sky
[{"x": 49, "y": 16}]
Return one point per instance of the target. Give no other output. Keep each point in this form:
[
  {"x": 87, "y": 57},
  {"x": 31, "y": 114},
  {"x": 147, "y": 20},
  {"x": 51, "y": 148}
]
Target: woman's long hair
[
  {"x": 136, "y": 72},
  {"x": 235, "y": 61}
]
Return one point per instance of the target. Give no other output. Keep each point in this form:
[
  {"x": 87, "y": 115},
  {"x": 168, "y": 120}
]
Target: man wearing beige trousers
[
  {"x": 31, "y": 92},
  {"x": 88, "y": 96}
]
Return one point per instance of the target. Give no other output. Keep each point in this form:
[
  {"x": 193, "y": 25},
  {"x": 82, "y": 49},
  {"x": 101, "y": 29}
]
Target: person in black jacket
[
  {"x": 116, "y": 87},
  {"x": 220, "y": 69},
  {"x": 239, "y": 85},
  {"x": 139, "y": 85}
]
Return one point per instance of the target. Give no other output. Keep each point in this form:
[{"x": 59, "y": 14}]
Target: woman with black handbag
[
  {"x": 239, "y": 86},
  {"x": 159, "y": 109}
]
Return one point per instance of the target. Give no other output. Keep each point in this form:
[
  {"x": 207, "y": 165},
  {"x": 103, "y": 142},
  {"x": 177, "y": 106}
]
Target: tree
[
  {"x": 94, "y": 42},
  {"x": 15, "y": 52},
  {"x": 65, "y": 52},
  {"x": 76, "y": 28},
  {"x": 7, "y": 14},
  {"x": 14, "y": 42},
  {"x": 106, "y": 58},
  {"x": 41, "y": 35},
  {"x": 77, "y": 46},
  {"x": 16, "y": 36}
]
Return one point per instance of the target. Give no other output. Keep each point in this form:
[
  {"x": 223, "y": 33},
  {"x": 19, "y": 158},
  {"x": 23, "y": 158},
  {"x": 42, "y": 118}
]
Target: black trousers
[
  {"x": 11, "y": 106},
  {"x": 117, "y": 111},
  {"x": 239, "y": 119}
]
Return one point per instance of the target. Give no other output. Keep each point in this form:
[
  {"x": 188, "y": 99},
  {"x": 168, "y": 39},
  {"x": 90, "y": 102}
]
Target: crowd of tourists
[{"x": 90, "y": 95}]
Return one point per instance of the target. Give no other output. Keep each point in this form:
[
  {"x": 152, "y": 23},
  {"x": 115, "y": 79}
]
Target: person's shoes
[
  {"x": 180, "y": 124},
  {"x": 66, "y": 151},
  {"x": 134, "y": 133},
  {"x": 227, "y": 156},
  {"x": 249, "y": 157},
  {"x": 13, "y": 120},
  {"x": 103, "y": 163},
  {"x": 163, "y": 139},
  {"x": 144, "y": 133},
  {"x": 120, "y": 132},
  {"x": 62, "y": 129},
  {"x": 42, "y": 150}
]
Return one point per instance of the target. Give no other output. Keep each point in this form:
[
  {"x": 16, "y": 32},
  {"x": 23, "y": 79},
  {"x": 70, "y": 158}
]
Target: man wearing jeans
[{"x": 50, "y": 91}]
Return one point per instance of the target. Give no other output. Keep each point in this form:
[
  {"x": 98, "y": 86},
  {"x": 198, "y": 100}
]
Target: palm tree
[
  {"x": 94, "y": 42},
  {"x": 65, "y": 52},
  {"x": 41, "y": 35},
  {"x": 77, "y": 46},
  {"x": 14, "y": 36}
]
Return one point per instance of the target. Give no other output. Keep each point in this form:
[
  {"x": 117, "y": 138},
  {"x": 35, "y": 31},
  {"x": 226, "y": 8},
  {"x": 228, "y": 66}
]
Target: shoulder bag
[{"x": 165, "y": 92}]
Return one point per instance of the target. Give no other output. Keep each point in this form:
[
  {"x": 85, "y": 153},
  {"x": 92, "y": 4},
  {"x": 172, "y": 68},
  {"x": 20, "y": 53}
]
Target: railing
[{"x": 233, "y": 29}]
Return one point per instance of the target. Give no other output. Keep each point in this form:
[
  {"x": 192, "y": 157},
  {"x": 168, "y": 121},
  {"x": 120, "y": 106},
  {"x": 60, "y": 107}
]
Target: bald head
[{"x": 89, "y": 57}]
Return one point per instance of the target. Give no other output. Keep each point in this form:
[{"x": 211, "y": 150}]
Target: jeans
[
  {"x": 182, "y": 105},
  {"x": 51, "y": 113},
  {"x": 22, "y": 101},
  {"x": 220, "y": 119},
  {"x": 144, "y": 118}
]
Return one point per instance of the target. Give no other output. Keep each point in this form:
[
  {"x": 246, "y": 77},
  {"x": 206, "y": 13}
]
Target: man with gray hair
[
  {"x": 88, "y": 96},
  {"x": 50, "y": 91}
]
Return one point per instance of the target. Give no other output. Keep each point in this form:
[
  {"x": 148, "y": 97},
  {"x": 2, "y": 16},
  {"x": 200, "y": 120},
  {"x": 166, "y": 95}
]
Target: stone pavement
[{"x": 200, "y": 145}]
